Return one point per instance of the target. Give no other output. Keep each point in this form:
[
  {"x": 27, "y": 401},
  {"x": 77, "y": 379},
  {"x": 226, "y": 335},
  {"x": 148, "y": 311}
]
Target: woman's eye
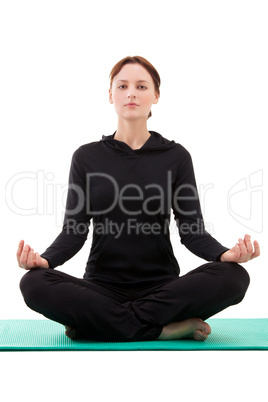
[{"x": 138, "y": 86}]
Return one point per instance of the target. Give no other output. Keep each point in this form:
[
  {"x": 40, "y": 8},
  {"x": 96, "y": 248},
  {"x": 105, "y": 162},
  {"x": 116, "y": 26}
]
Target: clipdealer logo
[
  {"x": 132, "y": 226},
  {"x": 245, "y": 201},
  {"x": 244, "y": 198}
]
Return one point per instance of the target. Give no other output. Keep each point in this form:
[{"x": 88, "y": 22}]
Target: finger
[
  {"x": 19, "y": 251},
  {"x": 257, "y": 250},
  {"x": 247, "y": 241},
  {"x": 31, "y": 261},
  {"x": 244, "y": 251},
  {"x": 24, "y": 256},
  {"x": 238, "y": 253},
  {"x": 244, "y": 256}
]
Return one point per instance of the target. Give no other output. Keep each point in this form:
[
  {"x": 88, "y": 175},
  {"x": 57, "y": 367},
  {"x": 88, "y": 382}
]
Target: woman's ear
[
  {"x": 110, "y": 96},
  {"x": 156, "y": 99}
]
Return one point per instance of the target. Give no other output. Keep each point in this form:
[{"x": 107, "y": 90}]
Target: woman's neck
[{"x": 135, "y": 134}]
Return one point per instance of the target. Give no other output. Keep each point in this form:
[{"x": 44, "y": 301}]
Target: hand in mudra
[
  {"x": 242, "y": 251},
  {"x": 27, "y": 259}
]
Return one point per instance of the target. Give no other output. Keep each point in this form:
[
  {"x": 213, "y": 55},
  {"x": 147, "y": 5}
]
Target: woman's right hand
[{"x": 27, "y": 259}]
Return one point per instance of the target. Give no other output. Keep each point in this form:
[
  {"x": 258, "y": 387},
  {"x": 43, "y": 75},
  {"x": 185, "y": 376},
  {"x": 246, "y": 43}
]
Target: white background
[{"x": 56, "y": 57}]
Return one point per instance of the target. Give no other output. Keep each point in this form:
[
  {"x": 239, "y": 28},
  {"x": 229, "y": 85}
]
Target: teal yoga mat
[{"x": 227, "y": 334}]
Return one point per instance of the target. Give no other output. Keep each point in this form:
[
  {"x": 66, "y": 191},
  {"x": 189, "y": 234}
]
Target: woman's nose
[{"x": 131, "y": 93}]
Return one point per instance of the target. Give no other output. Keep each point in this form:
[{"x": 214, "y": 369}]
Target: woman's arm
[
  {"x": 189, "y": 219},
  {"x": 188, "y": 214},
  {"x": 76, "y": 220}
]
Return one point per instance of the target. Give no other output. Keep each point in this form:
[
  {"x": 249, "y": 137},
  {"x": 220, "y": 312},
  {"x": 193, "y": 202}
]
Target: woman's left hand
[{"x": 242, "y": 251}]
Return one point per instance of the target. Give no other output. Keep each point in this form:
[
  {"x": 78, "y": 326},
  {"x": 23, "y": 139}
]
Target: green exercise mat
[{"x": 227, "y": 334}]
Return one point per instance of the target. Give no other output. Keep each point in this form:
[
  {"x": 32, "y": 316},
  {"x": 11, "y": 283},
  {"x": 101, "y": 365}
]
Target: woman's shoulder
[
  {"x": 87, "y": 147},
  {"x": 181, "y": 151},
  {"x": 170, "y": 143}
]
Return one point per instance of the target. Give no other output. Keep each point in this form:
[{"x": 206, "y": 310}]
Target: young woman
[{"x": 127, "y": 183}]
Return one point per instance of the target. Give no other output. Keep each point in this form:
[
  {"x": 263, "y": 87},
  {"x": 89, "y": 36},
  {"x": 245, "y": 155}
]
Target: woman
[{"x": 127, "y": 184}]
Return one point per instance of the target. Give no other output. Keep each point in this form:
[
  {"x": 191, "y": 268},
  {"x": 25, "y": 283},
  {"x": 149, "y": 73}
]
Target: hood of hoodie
[{"x": 156, "y": 142}]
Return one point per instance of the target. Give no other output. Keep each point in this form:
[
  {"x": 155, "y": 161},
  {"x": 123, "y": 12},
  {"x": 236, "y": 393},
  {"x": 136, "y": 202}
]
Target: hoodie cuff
[{"x": 218, "y": 258}]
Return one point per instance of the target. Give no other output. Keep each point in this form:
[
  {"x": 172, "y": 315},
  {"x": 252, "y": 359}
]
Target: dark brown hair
[{"x": 145, "y": 63}]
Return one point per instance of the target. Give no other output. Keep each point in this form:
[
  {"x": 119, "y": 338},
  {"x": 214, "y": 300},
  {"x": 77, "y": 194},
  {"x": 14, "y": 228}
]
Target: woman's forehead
[{"x": 133, "y": 72}]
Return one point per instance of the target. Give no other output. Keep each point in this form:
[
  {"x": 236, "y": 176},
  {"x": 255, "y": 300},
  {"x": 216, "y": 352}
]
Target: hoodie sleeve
[
  {"x": 188, "y": 214},
  {"x": 76, "y": 220}
]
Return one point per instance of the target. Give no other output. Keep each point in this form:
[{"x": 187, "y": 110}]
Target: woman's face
[{"x": 133, "y": 84}]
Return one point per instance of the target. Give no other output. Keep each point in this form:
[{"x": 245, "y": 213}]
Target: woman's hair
[{"x": 145, "y": 63}]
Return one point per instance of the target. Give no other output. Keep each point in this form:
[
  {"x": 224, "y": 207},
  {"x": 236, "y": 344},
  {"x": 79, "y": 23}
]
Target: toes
[
  {"x": 200, "y": 335},
  {"x": 199, "y": 324},
  {"x": 207, "y": 329}
]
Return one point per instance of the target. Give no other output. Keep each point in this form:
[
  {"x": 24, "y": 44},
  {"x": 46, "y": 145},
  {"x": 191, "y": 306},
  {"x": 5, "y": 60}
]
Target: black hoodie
[{"x": 129, "y": 194}]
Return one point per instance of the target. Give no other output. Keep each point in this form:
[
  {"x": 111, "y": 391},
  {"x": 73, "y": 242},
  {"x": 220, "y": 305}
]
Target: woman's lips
[{"x": 131, "y": 105}]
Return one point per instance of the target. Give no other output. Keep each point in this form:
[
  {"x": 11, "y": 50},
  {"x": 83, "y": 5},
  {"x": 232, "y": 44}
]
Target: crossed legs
[{"x": 168, "y": 310}]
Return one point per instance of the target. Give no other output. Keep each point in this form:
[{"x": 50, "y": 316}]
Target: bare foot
[
  {"x": 193, "y": 328},
  {"x": 70, "y": 332}
]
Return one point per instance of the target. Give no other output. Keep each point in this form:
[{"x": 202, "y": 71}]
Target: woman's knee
[
  {"x": 238, "y": 279},
  {"x": 30, "y": 284}
]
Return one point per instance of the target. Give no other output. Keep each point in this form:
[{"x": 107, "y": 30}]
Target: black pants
[{"x": 108, "y": 313}]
